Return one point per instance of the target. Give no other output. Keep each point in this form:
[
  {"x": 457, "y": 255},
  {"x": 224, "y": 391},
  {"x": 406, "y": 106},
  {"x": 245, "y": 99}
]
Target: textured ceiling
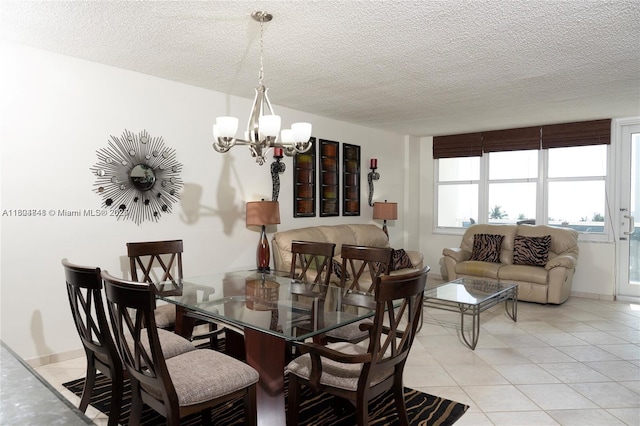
[{"x": 409, "y": 67}]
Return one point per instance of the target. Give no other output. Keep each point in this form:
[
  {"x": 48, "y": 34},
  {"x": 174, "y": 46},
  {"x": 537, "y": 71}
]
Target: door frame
[{"x": 622, "y": 177}]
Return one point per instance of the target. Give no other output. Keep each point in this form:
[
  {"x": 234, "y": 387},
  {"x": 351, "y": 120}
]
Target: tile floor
[{"x": 573, "y": 364}]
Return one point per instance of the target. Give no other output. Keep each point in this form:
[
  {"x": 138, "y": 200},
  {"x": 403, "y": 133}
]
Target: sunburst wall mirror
[{"x": 137, "y": 177}]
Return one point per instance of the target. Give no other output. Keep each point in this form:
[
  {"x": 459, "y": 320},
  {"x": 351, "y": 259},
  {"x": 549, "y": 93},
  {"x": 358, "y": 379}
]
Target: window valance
[{"x": 596, "y": 132}]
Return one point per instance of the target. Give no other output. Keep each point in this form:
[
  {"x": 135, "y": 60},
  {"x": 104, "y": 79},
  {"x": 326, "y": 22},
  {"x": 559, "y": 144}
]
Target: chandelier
[{"x": 264, "y": 126}]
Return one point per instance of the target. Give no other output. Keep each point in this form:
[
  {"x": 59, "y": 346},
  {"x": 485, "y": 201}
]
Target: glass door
[{"x": 629, "y": 231}]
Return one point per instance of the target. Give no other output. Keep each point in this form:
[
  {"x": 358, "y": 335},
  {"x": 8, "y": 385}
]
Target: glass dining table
[{"x": 270, "y": 310}]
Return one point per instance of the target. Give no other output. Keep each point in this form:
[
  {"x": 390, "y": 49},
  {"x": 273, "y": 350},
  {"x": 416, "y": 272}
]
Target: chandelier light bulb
[
  {"x": 269, "y": 125},
  {"x": 227, "y": 126},
  {"x": 301, "y": 132},
  {"x": 286, "y": 136}
]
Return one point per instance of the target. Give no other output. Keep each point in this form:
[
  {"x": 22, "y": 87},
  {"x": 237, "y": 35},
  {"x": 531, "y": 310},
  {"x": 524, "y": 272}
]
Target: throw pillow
[
  {"x": 531, "y": 250},
  {"x": 486, "y": 247},
  {"x": 338, "y": 270},
  {"x": 400, "y": 260}
]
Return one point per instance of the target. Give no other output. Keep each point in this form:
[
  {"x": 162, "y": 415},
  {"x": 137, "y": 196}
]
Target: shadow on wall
[
  {"x": 37, "y": 334},
  {"x": 228, "y": 211}
]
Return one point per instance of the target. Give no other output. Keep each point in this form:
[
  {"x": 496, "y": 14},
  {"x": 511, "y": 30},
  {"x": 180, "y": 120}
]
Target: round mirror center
[{"x": 142, "y": 177}]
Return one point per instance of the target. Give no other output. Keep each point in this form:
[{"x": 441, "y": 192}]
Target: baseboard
[
  {"x": 596, "y": 296},
  {"x": 53, "y": 358}
]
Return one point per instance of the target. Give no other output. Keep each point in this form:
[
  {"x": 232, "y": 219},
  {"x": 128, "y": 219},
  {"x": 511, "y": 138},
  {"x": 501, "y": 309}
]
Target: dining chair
[
  {"x": 171, "y": 387},
  {"x": 357, "y": 373},
  {"x": 84, "y": 288},
  {"x": 311, "y": 264},
  {"x": 358, "y": 263},
  {"x": 311, "y": 256},
  {"x": 157, "y": 261}
]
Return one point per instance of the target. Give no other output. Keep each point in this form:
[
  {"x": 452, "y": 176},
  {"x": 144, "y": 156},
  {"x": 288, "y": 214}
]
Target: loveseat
[
  {"x": 540, "y": 259},
  {"x": 356, "y": 234}
]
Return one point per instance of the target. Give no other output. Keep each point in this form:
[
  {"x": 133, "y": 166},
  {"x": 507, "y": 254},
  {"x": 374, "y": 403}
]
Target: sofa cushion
[
  {"x": 531, "y": 250},
  {"x": 526, "y": 273},
  {"x": 486, "y": 247},
  {"x": 473, "y": 268}
]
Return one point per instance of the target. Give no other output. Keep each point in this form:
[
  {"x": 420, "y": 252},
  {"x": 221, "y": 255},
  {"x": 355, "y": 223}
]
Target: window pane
[
  {"x": 458, "y": 169},
  {"x": 513, "y": 165},
  {"x": 578, "y": 161},
  {"x": 579, "y": 205},
  {"x": 511, "y": 202},
  {"x": 457, "y": 205}
]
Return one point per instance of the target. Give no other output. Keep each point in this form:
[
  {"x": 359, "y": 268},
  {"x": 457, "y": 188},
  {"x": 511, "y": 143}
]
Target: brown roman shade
[
  {"x": 597, "y": 132},
  {"x": 511, "y": 139},
  {"x": 465, "y": 145}
]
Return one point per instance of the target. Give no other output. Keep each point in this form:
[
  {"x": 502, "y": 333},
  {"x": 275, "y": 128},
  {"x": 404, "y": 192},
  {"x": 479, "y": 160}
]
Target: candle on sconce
[
  {"x": 277, "y": 152},
  {"x": 374, "y": 163}
]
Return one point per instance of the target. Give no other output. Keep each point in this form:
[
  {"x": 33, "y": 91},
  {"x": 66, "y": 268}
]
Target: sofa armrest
[
  {"x": 565, "y": 261},
  {"x": 457, "y": 254},
  {"x": 416, "y": 257}
]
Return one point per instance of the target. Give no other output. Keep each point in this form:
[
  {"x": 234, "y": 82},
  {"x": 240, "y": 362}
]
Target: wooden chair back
[
  {"x": 131, "y": 309},
  {"x": 311, "y": 255},
  {"x": 356, "y": 260},
  {"x": 147, "y": 259},
  {"x": 84, "y": 288}
]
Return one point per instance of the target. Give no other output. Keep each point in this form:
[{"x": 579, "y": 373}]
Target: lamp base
[
  {"x": 263, "y": 255},
  {"x": 384, "y": 228}
]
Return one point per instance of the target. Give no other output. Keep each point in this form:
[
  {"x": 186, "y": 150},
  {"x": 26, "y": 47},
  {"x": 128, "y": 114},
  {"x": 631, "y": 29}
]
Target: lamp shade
[
  {"x": 263, "y": 213},
  {"x": 386, "y": 211}
]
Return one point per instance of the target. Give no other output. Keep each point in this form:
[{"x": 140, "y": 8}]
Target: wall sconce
[
  {"x": 373, "y": 175},
  {"x": 262, "y": 213},
  {"x": 385, "y": 211},
  {"x": 277, "y": 167}
]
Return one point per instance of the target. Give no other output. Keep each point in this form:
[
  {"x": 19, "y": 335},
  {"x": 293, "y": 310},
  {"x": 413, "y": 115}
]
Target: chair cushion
[
  {"x": 171, "y": 343},
  {"x": 336, "y": 374},
  {"x": 165, "y": 316},
  {"x": 204, "y": 374},
  {"x": 347, "y": 332}
]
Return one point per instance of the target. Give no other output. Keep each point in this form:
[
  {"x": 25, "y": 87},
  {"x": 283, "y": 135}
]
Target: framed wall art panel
[
  {"x": 329, "y": 175},
  {"x": 304, "y": 183},
  {"x": 351, "y": 180}
]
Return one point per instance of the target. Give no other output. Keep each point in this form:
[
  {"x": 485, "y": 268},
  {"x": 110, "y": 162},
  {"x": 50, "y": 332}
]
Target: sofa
[
  {"x": 540, "y": 259},
  {"x": 356, "y": 234}
]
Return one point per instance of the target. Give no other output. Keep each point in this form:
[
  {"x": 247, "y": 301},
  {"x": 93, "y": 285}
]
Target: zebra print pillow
[
  {"x": 486, "y": 247},
  {"x": 531, "y": 250}
]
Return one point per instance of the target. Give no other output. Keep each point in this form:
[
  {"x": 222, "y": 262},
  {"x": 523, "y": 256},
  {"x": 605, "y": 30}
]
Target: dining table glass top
[{"x": 271, "y": 302}]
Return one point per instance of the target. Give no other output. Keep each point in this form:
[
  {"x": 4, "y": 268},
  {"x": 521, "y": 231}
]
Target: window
[
  {"x": 577, "y": 196},
  {"x": 560, "y": 181}
]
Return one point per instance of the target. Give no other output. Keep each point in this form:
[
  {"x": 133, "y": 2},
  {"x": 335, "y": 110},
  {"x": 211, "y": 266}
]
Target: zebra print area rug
[{"x": 317, "y": 409}]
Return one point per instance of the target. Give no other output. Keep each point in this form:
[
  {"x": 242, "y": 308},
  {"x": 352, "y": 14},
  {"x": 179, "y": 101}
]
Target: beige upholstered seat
[{"x": 192, "y": 382}]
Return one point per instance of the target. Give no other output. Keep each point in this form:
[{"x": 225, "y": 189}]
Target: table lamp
[
  {"x": 385, "y": 211},
  {"x": 262, "y": 213}
]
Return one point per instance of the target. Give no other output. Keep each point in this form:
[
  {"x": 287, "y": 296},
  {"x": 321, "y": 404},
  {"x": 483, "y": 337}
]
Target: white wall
[
  {"x": 57, "y": 111},
  {"x": 595, "y": 274}
]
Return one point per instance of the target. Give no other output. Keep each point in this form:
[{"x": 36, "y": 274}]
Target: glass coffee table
[{"x": 470, "y": 297}]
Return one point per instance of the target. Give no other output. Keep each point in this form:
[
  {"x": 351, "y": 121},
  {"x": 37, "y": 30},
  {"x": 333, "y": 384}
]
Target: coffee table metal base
[{"x": 509, "y": 297}]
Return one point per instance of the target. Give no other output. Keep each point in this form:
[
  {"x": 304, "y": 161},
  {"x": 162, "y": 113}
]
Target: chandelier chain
[{"x": 261, "y": 73}]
